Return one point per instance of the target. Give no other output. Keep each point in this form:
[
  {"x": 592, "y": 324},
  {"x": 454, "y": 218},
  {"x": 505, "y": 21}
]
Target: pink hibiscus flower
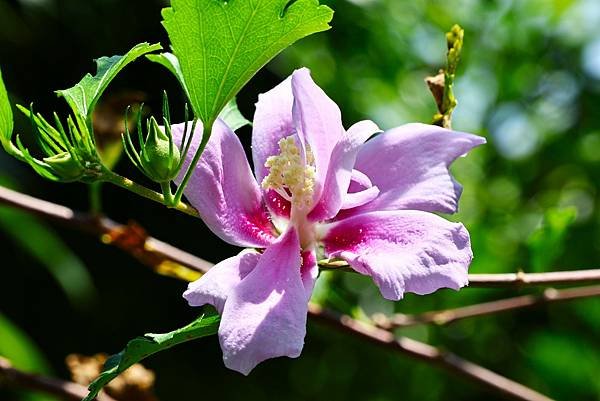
[{"x": 320, "y": 191}]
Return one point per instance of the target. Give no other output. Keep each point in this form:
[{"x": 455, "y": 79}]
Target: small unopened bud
[
  {"x": 160, "y": 156},
  {"x": 66, "y": 167}
]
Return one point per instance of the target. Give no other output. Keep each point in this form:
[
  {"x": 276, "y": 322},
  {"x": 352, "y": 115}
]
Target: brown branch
[
  {"x": 64, "y": 390},
  {"x": 504, "y": 280},
  {"x": 155, "y": 253},
  {"x": 147, "y": 249},
  {"x": 522, "y": 279},
  {"x": 444, "y": 317},
  {"x": 427, "y": 353}
]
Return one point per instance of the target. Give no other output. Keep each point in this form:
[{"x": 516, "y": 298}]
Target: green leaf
[
  {"x": 232, "y": 116},
  {"x": 6, "y": 116},
  {"x": 548, "y": 241},
  {"x": 222, "y": 44},
  {"x": 230, "y": 113},
  {"x": 83, "y": 97},
  {"x": 171, "y": 63},
  {"x": 142, "y": 347}
]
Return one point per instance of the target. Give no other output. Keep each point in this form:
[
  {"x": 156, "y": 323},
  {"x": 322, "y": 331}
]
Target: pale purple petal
[
  {"x": 318, "y": 123},
  {"x": 356, "y": 199},
  {"x": 409, "y": 165},
  {"x": 223, "y": 189},
  {"x": 272, "y": 122},
  {"x": 403, "y": 251},
  {"x": 215, "y": 286},
  {"x": 360, "y": 181},
  {"x": 340, "y": 172},
  {"x": 265, "y": 316}
]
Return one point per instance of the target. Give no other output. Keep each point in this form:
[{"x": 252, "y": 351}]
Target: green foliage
[
  {"x": 83, "y": 96},
  {"x": 232, "y": 116},
  {"x": 6, "y": 117},
  {"x": 222, "y": 44},
  {"x": 70, "y": 154},
  {"x": 548, "y": 241},
  {"x": 142, "y": 347},
  {"x": 230, "y": 113},
  {"x": 23, "y": 353},
  {"x": 171, "y": 63}
]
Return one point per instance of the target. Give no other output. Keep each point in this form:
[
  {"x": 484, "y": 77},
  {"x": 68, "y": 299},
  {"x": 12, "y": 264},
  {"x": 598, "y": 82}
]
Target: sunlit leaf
[
  {"x": 84, "y": 96},
  {"x": 232, "y": 116},
  {"x": 230, "y": 113},
  {"x": 142, "y": 347},
  {"x": 171, "y": 63},
  {"x": 6, "y": 117},
  {"x": 222, "y": 44}
]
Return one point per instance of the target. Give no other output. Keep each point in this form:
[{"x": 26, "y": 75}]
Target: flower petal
[
  {"x": 215, "y": 286},
  {"x": 405, "y": 250},
  {"x": 318, "y": 122},
  {"x": 272, "y": 122},
  {"x": 356, "y": 199},
  {"x": 409, "y": 165},
  {"x": 265, "y": 316},
  {"x": 223, "y": 189},
  {"x": 340, "y": 172},
  {"x": 309, "y": 271}
]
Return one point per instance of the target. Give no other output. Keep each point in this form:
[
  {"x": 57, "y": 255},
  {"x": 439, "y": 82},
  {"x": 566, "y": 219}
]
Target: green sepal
[
  {"x": 65, "y": 166},
  {"x": 70, "y": 155},
  {"x": 142, "y": 347}
]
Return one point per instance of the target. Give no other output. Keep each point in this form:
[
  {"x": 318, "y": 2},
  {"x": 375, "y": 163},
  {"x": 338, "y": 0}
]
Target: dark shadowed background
[{"x": 529, "y": 82}]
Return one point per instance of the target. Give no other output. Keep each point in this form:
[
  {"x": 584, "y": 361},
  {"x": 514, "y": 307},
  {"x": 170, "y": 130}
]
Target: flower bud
[
  {"x": 65, "y": 167},
  {"x": 160, "y": 156}
]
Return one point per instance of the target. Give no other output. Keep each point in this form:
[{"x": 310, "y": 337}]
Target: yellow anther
[{"x": 289, "y": 175}]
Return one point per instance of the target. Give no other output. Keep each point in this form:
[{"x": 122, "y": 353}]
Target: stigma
[{"x": 290, "y": 174}]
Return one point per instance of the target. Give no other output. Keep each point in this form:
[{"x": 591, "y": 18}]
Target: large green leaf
[
  {"x": 171, "y": 63},
  {"x": 222, "y": 44},
  {"x": 83, "y": 97},
  {"x": 142, "y": 347},
  {"x": 230, "y": 114},
  {"x": 6, "y": 117}
]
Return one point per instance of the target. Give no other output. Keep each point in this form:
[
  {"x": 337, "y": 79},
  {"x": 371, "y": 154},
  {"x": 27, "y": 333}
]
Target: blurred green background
[{"x": 529, "y": 81}]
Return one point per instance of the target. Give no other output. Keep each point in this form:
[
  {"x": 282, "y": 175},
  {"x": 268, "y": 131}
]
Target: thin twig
[
  {"x": 428, "y": 353},
  {"x": 381, "y": 337},
  {"x": 154, "y": 247},
  {"x": 444, "y": 317},
  {"x": 64, "y": 390},
  {"x": 149, "y": 250},
  {"x": 521, "y": 279}
]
